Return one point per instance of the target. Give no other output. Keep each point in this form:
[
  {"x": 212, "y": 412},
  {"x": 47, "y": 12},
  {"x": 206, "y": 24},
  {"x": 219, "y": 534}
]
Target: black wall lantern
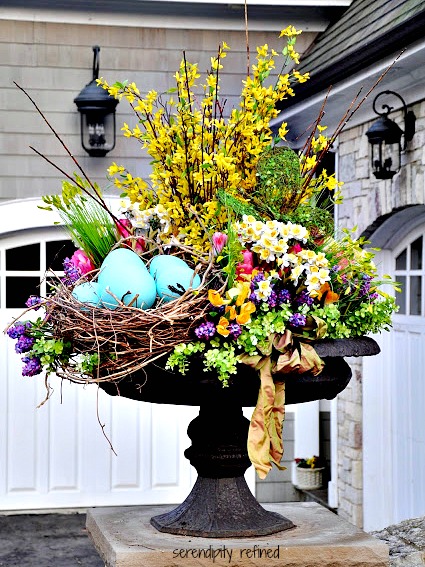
[
  {"x": 385, "y": 138},
  {"x": 97, "y": 109}
]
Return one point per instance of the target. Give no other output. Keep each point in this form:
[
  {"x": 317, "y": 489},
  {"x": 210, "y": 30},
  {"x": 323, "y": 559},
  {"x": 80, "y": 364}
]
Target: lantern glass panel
[
  {"x": 98, "y": 132},
  {"x": 385, "y": 159}
]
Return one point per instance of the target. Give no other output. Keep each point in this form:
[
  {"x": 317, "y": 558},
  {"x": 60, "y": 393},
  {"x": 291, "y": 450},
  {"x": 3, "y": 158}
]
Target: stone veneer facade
[{"x": 366, "y": 200}]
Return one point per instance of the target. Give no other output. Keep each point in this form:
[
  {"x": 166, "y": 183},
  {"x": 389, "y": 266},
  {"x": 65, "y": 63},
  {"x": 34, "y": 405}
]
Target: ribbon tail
[
  {"x": 265, "y": 431},
  {"x": 278, "y": 417}
]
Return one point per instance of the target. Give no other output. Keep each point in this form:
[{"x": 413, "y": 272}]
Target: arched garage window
[
  {"x": 25, "y": 267},
  {"x": 409, "y": 272}
]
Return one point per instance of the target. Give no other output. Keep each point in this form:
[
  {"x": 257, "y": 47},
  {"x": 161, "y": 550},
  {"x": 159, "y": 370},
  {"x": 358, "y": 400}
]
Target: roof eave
[{"x": 397, "y": 39}]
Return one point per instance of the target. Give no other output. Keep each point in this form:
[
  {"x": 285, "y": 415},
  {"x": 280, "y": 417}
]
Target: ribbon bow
[{"x": 265, "y": 445}]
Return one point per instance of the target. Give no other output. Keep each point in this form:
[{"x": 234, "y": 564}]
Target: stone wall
[
  {"x": 367, "y": 199},
  {"x": 53, "y": 62}
]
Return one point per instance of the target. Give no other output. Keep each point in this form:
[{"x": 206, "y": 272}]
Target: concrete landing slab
[{"x": 124, "y": 538}]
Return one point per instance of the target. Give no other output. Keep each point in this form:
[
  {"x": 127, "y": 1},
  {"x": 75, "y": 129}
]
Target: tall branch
[{"x": 98, "y": 199}]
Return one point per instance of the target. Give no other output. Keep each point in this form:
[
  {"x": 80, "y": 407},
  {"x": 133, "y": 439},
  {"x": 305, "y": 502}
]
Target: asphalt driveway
[{"x": 46, "y": 540}]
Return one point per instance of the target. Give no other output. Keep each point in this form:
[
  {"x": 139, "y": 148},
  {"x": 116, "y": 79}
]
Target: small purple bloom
[
  {"x": 235, "y": 330},
  {"x": 297, "y": 320},
  {"x": 258, "y": 278},
  {"x": 205, "y": 331},
  {"x": 272, "y": 300},
  {"x": 304, "y": 298},
  {"x": 255, "y": 300},
  {"x": 24, "y": 344},
  {"x": 34, "y": 301},
  {"x": 283, "y": 296},
  {"x": 72, "y": 273},
  {"x": 18, "y": 330},
  {"x": 32, "y": 366},
  {"x": 364, "y": 290},
  {"x": 365, "y": 287}
]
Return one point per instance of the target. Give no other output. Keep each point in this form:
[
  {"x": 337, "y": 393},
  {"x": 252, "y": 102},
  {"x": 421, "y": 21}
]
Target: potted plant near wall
[
  {"x": 309, "y": 473},
  {"x": 220, "y": 282}
]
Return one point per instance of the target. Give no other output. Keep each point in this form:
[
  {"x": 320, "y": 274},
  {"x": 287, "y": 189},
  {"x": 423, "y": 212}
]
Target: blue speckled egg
[
  {"x": 163, "y": 262},
  {"x": 124, "y": 275},
  {"x": 178, "y": 275},
  {"x": 88, "y": 292}
]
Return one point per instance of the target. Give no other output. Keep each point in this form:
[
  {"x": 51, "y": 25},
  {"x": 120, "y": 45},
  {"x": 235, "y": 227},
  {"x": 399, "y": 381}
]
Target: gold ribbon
[{"x": 265, "y": 445}]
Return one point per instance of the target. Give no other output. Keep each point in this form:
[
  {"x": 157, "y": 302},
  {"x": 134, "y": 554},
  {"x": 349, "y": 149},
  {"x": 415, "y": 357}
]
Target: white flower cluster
[
  {"x": 271, "y": 241},
  {"x": 143, "y": 219}
]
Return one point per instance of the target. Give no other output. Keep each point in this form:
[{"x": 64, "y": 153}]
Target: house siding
[{"x": 53, "y": 62}]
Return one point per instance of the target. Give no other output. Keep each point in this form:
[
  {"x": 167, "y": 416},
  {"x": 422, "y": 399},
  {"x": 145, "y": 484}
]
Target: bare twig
[
  {"x": 349, "y": 113},
  {"x": 102, "y": 425},
  {"x": 99, "y": 199},
  {"x": 247, "y": 38}
]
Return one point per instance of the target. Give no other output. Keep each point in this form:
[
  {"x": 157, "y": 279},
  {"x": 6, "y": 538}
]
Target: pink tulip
[
  {"x": 247, "y": 266},
  {"x": 125, "y": 229},
  {"x": 82, "y": 262},
  {"x": 219, "y": 241},
  {"x": 296, "y": 248}
]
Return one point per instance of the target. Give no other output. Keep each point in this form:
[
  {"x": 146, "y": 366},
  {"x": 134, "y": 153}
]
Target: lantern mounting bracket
[
  {"x": 408, "y": 115},
  {"x": 385, "y": 137}
]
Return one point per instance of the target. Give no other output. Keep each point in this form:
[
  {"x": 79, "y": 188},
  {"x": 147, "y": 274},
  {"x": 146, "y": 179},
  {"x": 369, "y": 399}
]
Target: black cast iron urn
[{"x": 220, "y": 504}]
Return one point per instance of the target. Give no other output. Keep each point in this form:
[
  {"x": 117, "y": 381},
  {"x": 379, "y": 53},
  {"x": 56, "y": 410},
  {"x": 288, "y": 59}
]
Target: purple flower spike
[
  {"x": 34, "y": 301},
  {"x": 258, "y": 278},
  {"x": 32, "y": 366},
  {"x": 304, "y": 298},
  {"x": 205, "y": 331},
  {"x": 235, "y": 330},
  {"x": 297, "y": 320},
  {"x": 72, "y": 273},
  {"x": 24, "y": 344},
  {"x": 17, "y": 330},
  {"x": 272, "y": 300},
  {"x": 283, "y": 296},
  {"x": 253, "y": 297}
]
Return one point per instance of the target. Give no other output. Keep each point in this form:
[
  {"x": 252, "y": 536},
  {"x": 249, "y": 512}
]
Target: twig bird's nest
[{"x": 126, "y": 338}]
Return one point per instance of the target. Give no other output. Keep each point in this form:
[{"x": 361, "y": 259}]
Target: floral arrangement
[
  {"x": 314, "y": 462},
  {"x": 245, "y": 223}
]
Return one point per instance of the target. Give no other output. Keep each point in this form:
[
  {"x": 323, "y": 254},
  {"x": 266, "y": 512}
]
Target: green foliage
[
  {"x": 256, "y": 333},
  {"x": 279, "y": 183},
  {"x": 230, "y": 255},
  {"x": 87, "y": 363},
  {"x": 89, "y": 225},
  {"x": 366, "y": 318},
  {"x": 51, "y": 352},
  {"x": 222, "y": 358},
  {"x": 179, "y": 357},
  {"x": 238, "y": 207},
  {"x": 318, "y": 221}
]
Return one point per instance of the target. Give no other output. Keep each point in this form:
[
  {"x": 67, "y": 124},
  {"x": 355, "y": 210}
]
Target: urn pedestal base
[
  {"x": 220, "y": 504},
  {"x": 221, "y": 507}
]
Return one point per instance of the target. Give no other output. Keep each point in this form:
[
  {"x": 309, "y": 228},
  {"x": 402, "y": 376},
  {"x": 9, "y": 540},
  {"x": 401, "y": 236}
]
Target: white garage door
[
  {"x": 56, "y": 456},
  {"x": 394, "y": 397}
]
